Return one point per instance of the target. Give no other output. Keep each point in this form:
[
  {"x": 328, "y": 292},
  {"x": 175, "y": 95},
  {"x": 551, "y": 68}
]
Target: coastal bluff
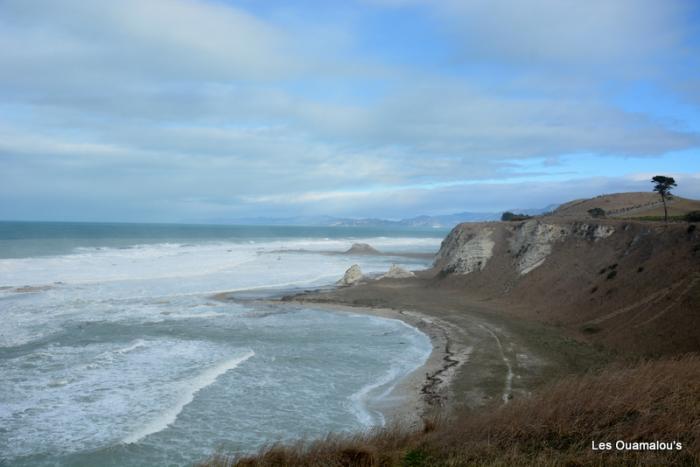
[{"x": 628, "y": 285}]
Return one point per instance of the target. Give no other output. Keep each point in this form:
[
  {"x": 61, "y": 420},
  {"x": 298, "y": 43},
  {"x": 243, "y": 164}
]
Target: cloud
[
  {"x": 158, "y": 39},
  {"x": 594, "y": 33},
  {"x": 194, "y": 107}
]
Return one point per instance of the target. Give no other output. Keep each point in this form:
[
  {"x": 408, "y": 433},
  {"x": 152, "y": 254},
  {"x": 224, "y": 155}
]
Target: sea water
[{"x": 113, "y": 350}]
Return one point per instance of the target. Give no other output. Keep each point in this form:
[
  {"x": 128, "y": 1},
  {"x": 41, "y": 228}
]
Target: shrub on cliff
[
  {"x": 693, "y": 216},
  {"x": 511, "y": 216},
  {"x": 596, "y": 212}
]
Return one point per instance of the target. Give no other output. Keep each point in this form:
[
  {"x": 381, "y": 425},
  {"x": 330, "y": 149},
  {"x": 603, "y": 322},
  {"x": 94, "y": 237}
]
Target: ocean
[{"x": 114, "y": 353}]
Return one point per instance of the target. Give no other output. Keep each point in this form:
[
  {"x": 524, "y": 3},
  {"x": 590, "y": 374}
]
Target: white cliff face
[
  {"x": 600, "y": 231},
  {"x": 532, "y": 243},
  {"x": 465, "y": 252},
  {"x": 352, "y": 276},
  {"x": 533, "y": 240},
  {"x": 468, "y": 248}
]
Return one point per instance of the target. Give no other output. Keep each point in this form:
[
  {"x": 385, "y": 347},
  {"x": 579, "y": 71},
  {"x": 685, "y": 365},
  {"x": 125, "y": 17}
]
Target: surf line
[{"x": 196, "y": 384}]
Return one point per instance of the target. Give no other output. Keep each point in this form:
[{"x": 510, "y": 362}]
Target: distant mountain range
[{"x": 440, "y": 221}]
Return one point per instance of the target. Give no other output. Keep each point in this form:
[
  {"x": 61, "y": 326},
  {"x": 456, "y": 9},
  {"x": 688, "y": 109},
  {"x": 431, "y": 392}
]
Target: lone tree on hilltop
[{"x": 663, "y": 185}]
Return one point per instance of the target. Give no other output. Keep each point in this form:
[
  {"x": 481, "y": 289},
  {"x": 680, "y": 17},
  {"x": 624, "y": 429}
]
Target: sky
[{"x": 212, "y": 110}]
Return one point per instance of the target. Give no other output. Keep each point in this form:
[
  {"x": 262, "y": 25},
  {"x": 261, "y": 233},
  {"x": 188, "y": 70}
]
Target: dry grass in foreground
[{"x": 653, "y": 401}]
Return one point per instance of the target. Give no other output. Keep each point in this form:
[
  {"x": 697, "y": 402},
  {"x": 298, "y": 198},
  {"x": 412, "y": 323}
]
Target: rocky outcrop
[
  {"x": 362, "y": 249},
  {"x": 352, "y": 276},
  {"x": 397, "y": 272},
  {"x": 466, "y": 250},
  {"x": 469, "y": 247},
  {"x": 532, "y": 243},
  {"x": 533, "y": 240}
]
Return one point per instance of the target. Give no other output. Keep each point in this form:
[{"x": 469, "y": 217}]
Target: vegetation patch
[
  {"x": 692, "y": 216},
  {"x": 611, "y": 270},
  {"x": 416, "y": 458},
  {"x": 511, "y": 216},
  {"x": 591, "y": 329},
  {"x": 596, "y": 212}
]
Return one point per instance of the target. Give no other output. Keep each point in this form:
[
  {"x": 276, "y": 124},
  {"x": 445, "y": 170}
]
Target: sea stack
[{"x": 352, "y": 276}]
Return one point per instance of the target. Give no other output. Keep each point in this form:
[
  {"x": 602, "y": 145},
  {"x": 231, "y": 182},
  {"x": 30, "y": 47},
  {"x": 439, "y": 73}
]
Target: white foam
[
  {"x": 414, "y": 356},
  {"x": 73, "y": 397},
  {"x": 206, "y": 314},
  {"x": 192, "y": 387},
  {"x": 137, "y": 344},
  {"x": 166, "y": 260},
  {"x": 77, "y": 396},
  {"x": 360, "y": 400}
]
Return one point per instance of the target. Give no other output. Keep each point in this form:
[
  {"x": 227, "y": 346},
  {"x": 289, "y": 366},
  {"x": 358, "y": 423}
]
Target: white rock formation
[
  {"x": 533, "y": 240},
  {"x": 469, "y": 247},
  {"x": 532, "y": 243},
  {"x": 466, "y": 252},
  {"x": 397, "y": 272},
  {"x": 352, "y": 276}
]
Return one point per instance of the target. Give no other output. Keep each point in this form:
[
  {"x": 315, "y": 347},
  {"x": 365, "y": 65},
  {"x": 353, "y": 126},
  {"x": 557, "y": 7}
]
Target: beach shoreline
[
  {"x": 481, "y": 354},
  {"x": 418, "y": 394}
]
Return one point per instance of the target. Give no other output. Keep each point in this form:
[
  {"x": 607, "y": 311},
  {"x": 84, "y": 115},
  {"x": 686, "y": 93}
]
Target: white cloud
[
  {"x": 200, "y": 103},
  {"x": 579, "y": 34},
  {"x": 161, "y": 39}
]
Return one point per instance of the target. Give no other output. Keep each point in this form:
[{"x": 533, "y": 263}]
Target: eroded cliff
[{"x": 628, "y": 285}]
